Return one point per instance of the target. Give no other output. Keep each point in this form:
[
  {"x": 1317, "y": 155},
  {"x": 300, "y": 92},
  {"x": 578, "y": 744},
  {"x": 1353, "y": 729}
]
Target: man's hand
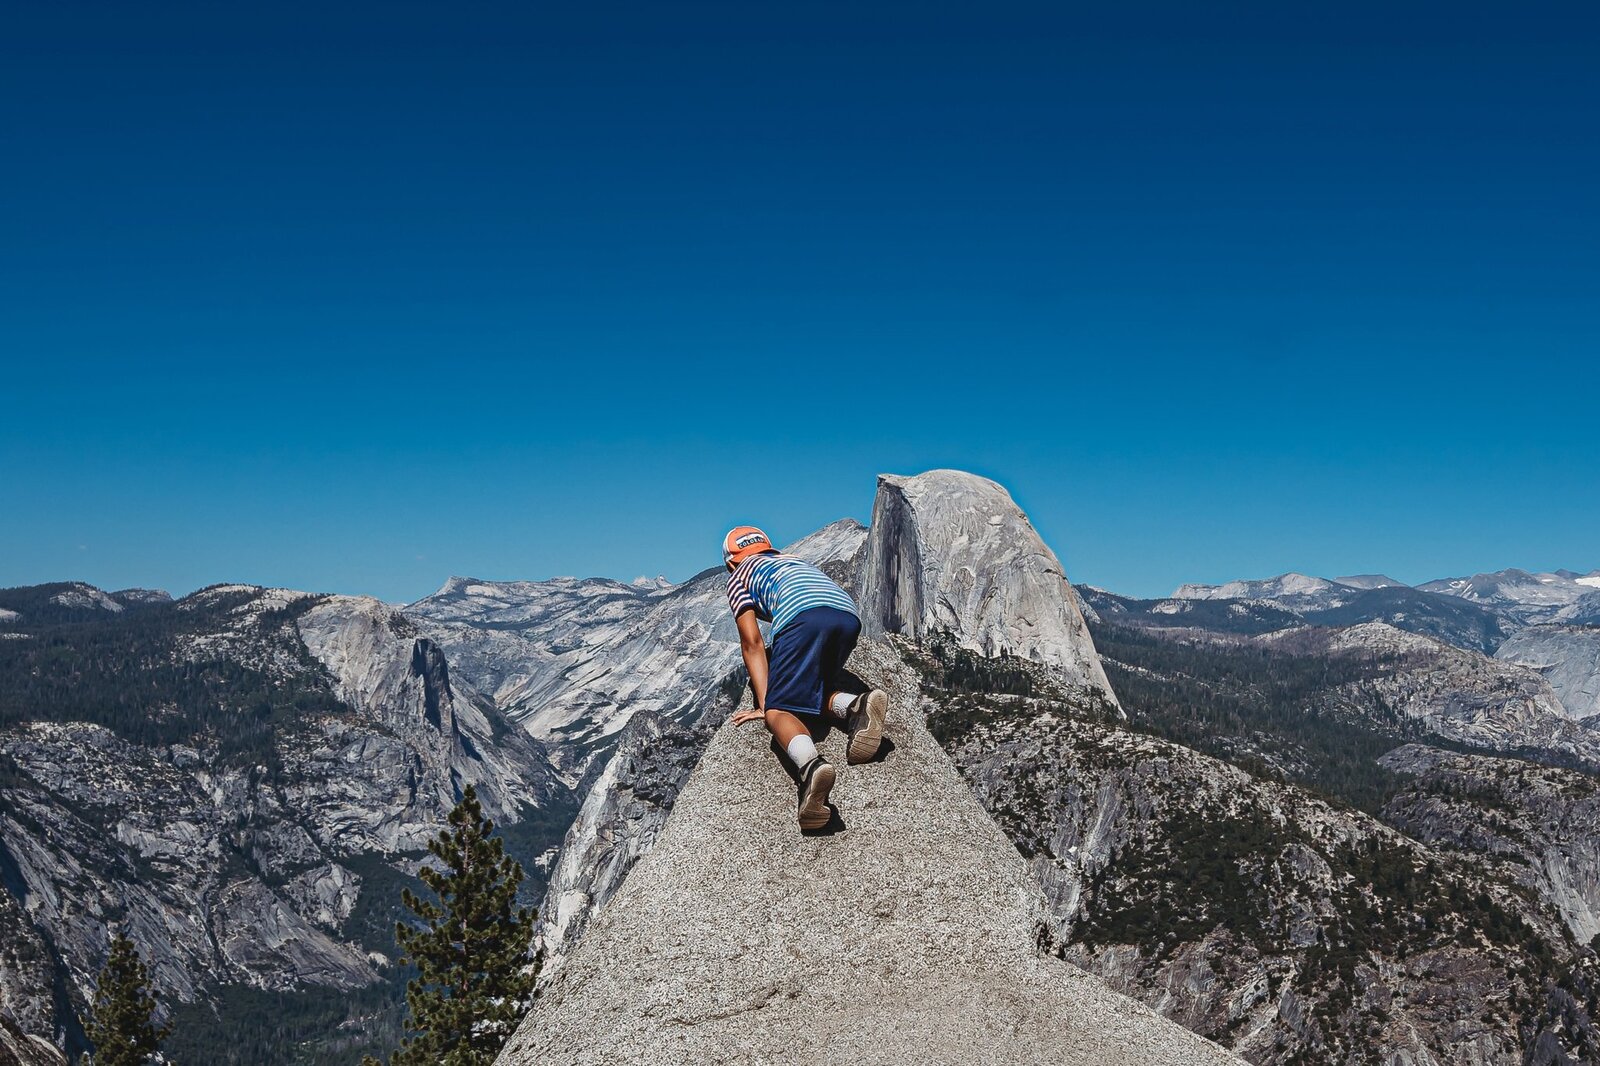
[{"x": 750, "y": 714}]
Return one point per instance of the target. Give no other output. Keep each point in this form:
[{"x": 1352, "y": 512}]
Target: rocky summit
[
  {"x": 949, "y": 552},
  {"x": 907, "y": 932}
]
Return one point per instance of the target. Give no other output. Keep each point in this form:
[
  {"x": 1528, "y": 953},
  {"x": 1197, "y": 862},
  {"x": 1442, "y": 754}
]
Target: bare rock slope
[
  {"x": 1568, "y": 657},
  {"x": 19, "y": 1049},
  {"x": 909, "y": 934}
]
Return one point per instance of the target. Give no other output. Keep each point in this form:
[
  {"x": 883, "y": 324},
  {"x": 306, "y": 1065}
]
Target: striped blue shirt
[{"x": 778, "y": 587}]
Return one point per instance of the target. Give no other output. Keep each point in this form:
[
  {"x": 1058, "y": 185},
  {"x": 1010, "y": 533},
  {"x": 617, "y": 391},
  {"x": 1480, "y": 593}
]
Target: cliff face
[
  {"x": 909, "y": 934},
  {"x": 17, "y": 1048},
  {"x": 1540, "y": 824},
  {"x": 27, "y": 978},
  {"x": 1279, "y": 925},
  {"x": 950, "y": 552}
]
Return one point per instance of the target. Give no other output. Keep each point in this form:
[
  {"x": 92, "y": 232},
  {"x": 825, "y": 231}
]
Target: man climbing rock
[{"x": 814, "y": 630}]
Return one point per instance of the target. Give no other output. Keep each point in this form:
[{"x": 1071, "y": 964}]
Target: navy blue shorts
[{"x": 806, "y": 663}]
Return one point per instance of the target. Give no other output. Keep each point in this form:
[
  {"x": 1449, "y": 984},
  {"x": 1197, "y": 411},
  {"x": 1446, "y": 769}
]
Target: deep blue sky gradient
[{"x": 354, "y": 300}]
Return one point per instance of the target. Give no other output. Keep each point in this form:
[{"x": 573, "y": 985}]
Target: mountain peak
[
  {"x": 1528, "y": 597},
  {"x": 1370, "y": 581},
  {"x": 1272, "y": 588},
  {"x": 951, "y": 552},
  {"x": 81, "y": 596}
]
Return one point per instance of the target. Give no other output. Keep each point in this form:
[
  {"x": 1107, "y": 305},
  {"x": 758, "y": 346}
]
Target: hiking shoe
[
  {"x": 815, "y": 784},
  {"x": 866, "y": 725}
]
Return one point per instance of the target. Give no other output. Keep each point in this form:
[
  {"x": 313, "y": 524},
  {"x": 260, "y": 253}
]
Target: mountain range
[
  {"x": 1545, "y": 621},
  {"x": 1332, "y": 820}
]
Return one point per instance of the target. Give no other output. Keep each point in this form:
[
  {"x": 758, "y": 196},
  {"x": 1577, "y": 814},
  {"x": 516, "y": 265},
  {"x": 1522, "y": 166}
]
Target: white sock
[
  {"x": 840, "y": 704},
  {"x": 801, "y": 751}
]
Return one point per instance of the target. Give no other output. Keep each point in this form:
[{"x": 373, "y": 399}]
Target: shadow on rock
[{"x": 834, "y": 824}]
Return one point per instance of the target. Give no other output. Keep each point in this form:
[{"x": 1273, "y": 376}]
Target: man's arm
[{"x": 755, "y": 661}]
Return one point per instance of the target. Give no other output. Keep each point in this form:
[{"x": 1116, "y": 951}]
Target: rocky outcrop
[
  {"x": 629, "y": 802},
  {"x": 81, "y": 597},
  {"x": 625, "y": 805},
  {"x": 401, "y": 680},
  {"x": 907, "y": 934},
  {"x": 1584, "y": 611},
  {"x": 1542, "y": 823},
  {"x": 1568, "y": 657},
  {"x": 950, "y": 552},
  {"x": 17, "y": 1048}
]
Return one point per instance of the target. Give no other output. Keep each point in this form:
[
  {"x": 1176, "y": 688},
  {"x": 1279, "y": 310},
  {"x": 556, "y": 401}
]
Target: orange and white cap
[{"x": 743, "y": 542}]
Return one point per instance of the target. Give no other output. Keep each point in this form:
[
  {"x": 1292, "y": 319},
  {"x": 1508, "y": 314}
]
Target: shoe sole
[
  {"x": 864, "y": 745},
  {"x": 814, "y": 813}
]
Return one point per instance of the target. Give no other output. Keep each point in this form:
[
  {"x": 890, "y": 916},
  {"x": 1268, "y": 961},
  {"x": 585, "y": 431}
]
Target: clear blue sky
[{"x": 355, "y": 297}]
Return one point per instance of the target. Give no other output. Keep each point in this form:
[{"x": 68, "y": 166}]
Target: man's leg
[
  {"x": 863, "y": 712},
  {"x": 816, "y": 775},
  {"x": 842, "y": 687},
  {"x": 793, "y": 737},
  {"x": 795, "y": 680},
  {"x": 786, "y": 727},
  {"x": 837, "y": 707}
]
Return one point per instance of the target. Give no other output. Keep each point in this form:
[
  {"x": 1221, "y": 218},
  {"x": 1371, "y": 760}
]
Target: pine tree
[
  {"x": 474, "y": 971},
  {"x": 121, "y": 1029}
]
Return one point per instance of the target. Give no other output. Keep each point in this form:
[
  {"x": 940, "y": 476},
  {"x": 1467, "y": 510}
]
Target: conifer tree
[
  {"x": 121, "y": 1028},
  {"x": 471, "y": 949}
]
